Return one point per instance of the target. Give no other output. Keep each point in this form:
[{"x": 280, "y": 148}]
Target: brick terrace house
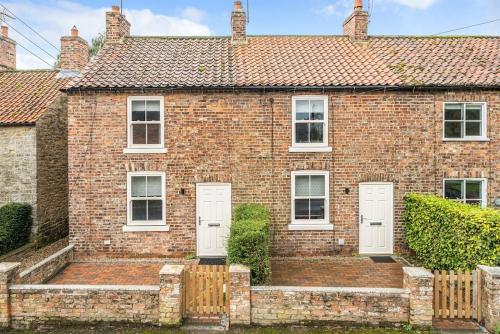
[
  {"x": 167, "y": 134},
  {"x": 33, "y": 135}
]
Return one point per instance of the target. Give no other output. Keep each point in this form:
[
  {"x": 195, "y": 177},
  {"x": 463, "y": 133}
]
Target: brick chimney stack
[
  {"x": 356, "y": 25},
  {"x": 238, "y": 24},
  {"x": 7, "y": 51},
  {"x": 117, "y": 25},
  {"x": 74, "y": 52}
]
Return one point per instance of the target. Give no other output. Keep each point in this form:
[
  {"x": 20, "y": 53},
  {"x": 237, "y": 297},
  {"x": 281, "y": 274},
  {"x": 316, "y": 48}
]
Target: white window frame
[
  {"x": 137, "y": 226},
  {"x": 145, "y": 148},
  {"x": 311, "y": 224},
  {"x": 484, "y": 122},
  {"x": 310, "y": 147},
  {"x": 484, "y": 189}
]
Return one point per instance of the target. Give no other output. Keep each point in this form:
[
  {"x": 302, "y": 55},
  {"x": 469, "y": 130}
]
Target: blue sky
[{"x": 53, "y": 18}]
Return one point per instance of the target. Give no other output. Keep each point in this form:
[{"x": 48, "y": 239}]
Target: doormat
[
  {"x": 382, "y": 259},
  {"x": 213, "y": 261}
]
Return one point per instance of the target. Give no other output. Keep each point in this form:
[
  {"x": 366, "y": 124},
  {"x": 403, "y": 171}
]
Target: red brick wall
[{"x": 242, "y": 138}]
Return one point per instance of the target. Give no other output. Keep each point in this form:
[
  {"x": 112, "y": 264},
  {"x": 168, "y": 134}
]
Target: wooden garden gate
[
  {"x": 457, "y": 294},
  {"x": 206, "y": 291}
]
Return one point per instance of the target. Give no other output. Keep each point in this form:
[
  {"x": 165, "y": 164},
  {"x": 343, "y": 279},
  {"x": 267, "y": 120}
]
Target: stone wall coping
[
  {"x": 493, "y": 271},
  {"x": 6, "y": 267},
  {"x": 356, "y": 290},
  {"x": 238, "y": 268},
  {"x": 83, "y": 287},
  {"x": 418, "y": 272},
  {"x": 172, "y": 269},
  {"x": 46, "y": 260}
]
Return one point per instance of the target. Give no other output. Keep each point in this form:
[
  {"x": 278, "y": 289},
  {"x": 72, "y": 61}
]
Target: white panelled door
[
  {"x": 213, "y": 218},
  {"x": 376, "y": 218}
]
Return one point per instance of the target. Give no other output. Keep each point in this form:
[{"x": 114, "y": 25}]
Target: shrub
[
  {"x": 15, "y": 226},
  {"x": 450, "y": 235},
  {"x": 250, "y": 211},
  {"x": 248, "y": 242}
]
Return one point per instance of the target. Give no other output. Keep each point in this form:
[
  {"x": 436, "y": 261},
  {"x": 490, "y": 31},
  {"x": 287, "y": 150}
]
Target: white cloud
[
  {"x": 340, "y": 8},
  {"x": 416, "y": 4},
  {"x": 53, "y": 19}
]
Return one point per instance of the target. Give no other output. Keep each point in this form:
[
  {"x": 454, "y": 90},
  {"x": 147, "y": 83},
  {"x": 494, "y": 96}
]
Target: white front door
[
  {"x": 213, "y": 218},
  {"x": 376, "y": 218}
]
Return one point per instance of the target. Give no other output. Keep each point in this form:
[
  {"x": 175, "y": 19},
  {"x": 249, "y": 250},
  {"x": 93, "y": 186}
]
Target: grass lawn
[{"x": 131, "y": 329}]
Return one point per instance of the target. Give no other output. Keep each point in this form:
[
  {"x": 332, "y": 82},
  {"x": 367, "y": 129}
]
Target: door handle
[
  {"x": 199, "y": 220},
  {"x": 361, "y": 219}
]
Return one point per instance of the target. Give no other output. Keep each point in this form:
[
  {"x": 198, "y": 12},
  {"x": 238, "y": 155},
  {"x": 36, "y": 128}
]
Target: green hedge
[
  {"x": 449, "y": 235},
  {"x": 248, "y": 242},
  {"x": 15, "y": 226}
]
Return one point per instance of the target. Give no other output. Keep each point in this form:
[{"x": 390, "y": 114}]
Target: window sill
[
  {"x": 144, "y": 150},
  {"x": 466, "y": 139},
  {"x": 310, "y": 149},
  {"x": 310, "y": 227},
  {"x": 139, "y": 228}
]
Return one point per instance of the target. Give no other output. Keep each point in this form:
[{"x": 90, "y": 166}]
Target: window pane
[
  {"x": 317, "y": 185},
  {"x": 317, "y": 209},
  {"x": 453, "y": 129},
  {"x": 317, "y": 106},
  {"x": 301, "y": 133},
  {"x": 139, "y": 210},
  {"x": 302, "y": 110},
  {"x": 302, "y": 185},
  {"x": 453, "y": 112},
  {"x": 473, "y": 202},
  {"x": 473, "y": 189},
  {"x": 138, "y": 116},
  {"x": 153, "y": 133},
  {"x": 301, "y": 209},
  {"x": 473, "y": 112},
  {"x": 153, "y": 115},
  {"x": 472, "y": 128},
  {"x": 453, "y": 189},
  {"x": 155, "y": 210},
  {"x": 138, "y": 106},
  {"x": 154, "y": 186},
  {"x": 318, "y": 116},
  {"x": 153, "y": 105},
  {"x": 139, "y": 133},
  {"x": 138, "y": 186},
  {"x": 316, "y": 132}
]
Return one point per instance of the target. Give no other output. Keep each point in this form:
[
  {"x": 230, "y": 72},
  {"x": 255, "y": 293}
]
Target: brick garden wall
[
  {"x": 52, "y": 169},
  {"x": 42, "y": 304},
  {"x": 243, "y": 138},
  {"x": 294, "y": 305}
]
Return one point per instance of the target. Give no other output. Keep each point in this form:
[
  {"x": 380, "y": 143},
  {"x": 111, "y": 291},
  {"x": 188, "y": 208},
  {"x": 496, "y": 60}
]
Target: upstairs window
[
  {"x": 470, "y": 191},
  {"x": 146, "y": 198},
  {"x": 464, "y": 121},
  {"x": 145, "y": 122},
  {"x": 310, "y": 121}
]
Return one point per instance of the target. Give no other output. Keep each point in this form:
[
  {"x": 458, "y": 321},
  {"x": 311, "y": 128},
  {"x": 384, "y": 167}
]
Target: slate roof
[
  {"x": 298, "y": 61},
  {"x": 25, "y": 95}
]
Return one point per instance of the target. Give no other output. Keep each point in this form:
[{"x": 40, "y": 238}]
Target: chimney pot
[
  {"x": 5, "y": 31},
  {"x": 238, "y": 6},
  {"x": 358, "y": 5},
  {"x": 117, "y": 25},
  {"x": 74, "y": 32},
  {"x": 115, "y": 9}
]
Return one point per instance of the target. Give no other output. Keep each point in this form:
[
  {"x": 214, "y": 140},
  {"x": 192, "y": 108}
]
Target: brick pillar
[
  {"x": 420, "y": 283},
  {"x": 8, "y": 271},
  {"x": 171, "y": 289},
  {"x": 239, "y": 295},
  {"x": 490, "y": 296}
]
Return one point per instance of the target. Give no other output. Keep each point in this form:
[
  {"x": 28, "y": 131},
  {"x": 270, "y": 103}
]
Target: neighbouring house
[
  {"x": 167, "y": 134},
  {"x": 33, "y": 135}
]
